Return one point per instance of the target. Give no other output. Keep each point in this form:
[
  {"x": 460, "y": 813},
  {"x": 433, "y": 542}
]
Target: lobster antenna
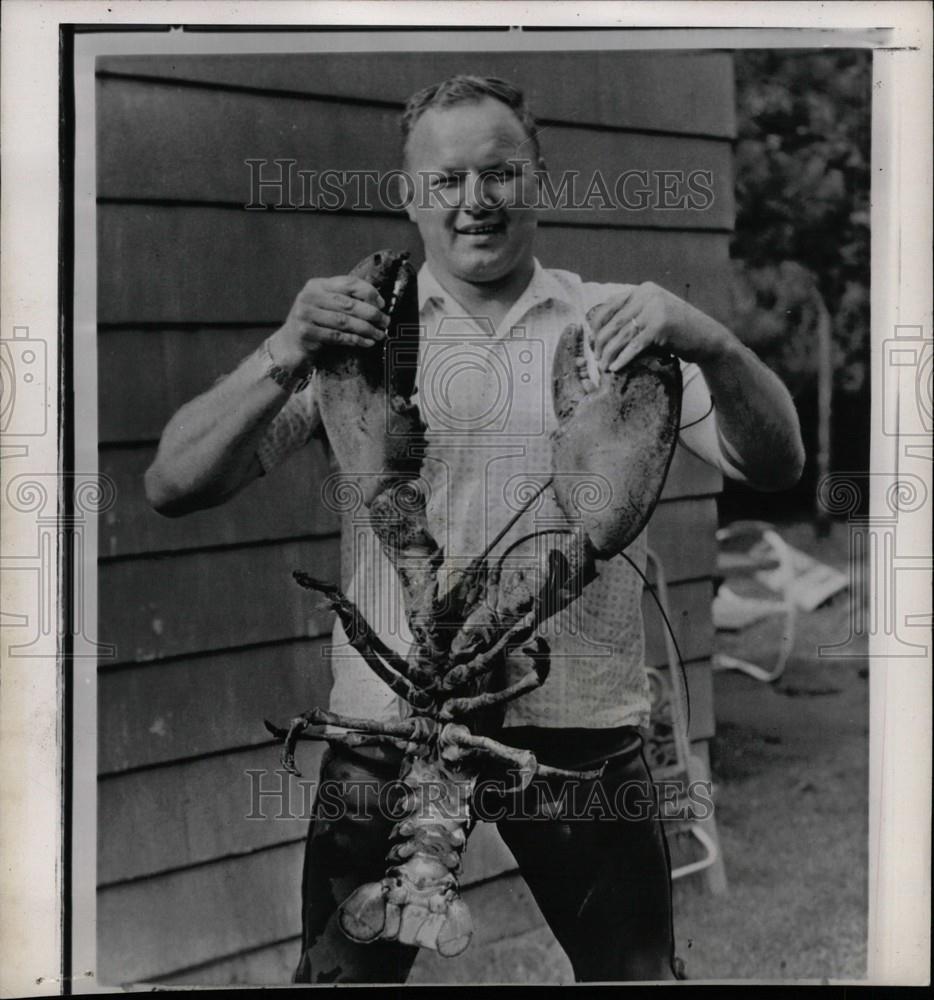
[
  {"x": 528, "y": 538},
  {"x": 522, "y": 510},
  {"x": 671, "y": 632},
  {"x": 699, "y": 420}
]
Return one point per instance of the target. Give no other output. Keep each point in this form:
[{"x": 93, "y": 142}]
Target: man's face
[{"x": 470, "y": 189}]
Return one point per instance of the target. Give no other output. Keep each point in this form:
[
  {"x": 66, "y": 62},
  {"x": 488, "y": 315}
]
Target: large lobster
[{"x": 623, "y": 430}]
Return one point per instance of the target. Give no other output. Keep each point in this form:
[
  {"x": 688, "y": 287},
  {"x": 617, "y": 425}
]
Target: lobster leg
[
  {"x": 398, "y": 685},
  {"x": 296, "y": 731},
  {"x": 366, "y": 740},
  {"x": 404, "y": 729},
  {"x": 353, "y": 740},
  {"x": 354, "y": 623},
  {"x": 482, "y": 663},
  {"x": 558, "y": 593},
  {"x": 345, "y": 739},
  {"x": 534, "y": 678},
  {"x": 386, "y": 664},
  {"x": 458, "y": 740},
  {"x": 368, "y": 732}
]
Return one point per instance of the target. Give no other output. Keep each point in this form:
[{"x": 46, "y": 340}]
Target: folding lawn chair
[
  {"x": 673, "y": 760},
  {"x": 748, "y": 548}
]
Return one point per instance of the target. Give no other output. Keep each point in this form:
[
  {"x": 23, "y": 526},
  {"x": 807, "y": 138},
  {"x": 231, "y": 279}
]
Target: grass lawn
[{"x": 790, "y": 766}]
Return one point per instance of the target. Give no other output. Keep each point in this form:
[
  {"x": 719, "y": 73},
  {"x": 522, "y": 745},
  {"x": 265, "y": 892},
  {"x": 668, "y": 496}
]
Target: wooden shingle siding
[
  {"x": 192, "y": 601},
  {"x": 179, "y": 709},
  {"x": 188, "y": 279},
  {"x": 278, "y": 506},
  {"x": 202, "y": 157},
  {"x": 195, "y": 914},
  {"x": 180, "y": 364},
  {"x": 211, "y": 634},
  {"x": 197, "y": 824},
  {"x": 675, "y": 93}
]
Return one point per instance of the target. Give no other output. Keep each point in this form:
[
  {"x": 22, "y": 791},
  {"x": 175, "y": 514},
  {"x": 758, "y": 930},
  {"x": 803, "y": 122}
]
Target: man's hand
[
  {"x": 208, "y": 449},
  {"x": 753, "y": 431},
  {"x": 647, "y": 315},
  {"x": 341, "y": 310}
]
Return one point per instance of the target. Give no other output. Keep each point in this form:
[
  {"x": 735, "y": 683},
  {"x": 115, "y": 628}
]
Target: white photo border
[{"x": 31, "y": 723}]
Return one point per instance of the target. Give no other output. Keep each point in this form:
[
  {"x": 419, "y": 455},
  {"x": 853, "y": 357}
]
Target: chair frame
[
  {"x": 780, "y": 558},
  {"x": 687, "y": 764}
]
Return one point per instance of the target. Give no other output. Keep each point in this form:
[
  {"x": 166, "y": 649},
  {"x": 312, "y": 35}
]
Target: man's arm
[
  {"x": 208, "y": 449},
  {"x": 207, "y": 453},
  {"x": 754, "y": 419}
]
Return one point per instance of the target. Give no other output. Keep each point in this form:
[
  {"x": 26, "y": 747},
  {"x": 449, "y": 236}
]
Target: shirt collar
[
  {"x": 429, "y": 288},
  {"x": 542, "y": 287}
]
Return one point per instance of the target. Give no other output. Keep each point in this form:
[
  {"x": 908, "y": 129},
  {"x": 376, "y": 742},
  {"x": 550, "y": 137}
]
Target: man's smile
[{"x": 481, "y": 229}]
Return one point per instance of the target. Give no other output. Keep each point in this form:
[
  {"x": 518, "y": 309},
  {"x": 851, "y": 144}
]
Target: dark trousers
[{"x": 599, "y": 873}]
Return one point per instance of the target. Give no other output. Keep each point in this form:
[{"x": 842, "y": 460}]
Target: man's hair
[{"x": 466, "y": 89}]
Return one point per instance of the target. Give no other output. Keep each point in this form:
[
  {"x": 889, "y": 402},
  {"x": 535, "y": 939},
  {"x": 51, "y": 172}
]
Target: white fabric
[{"x": 485, "y": 396}]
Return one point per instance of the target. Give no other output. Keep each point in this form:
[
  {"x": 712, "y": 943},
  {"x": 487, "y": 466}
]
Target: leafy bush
[
  {"x": 802, "y": 187},
  {"x": 802, "y": 226}
]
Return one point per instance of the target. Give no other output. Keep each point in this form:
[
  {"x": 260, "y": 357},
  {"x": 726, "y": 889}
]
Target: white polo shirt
[{"x": 485, "y": 396}]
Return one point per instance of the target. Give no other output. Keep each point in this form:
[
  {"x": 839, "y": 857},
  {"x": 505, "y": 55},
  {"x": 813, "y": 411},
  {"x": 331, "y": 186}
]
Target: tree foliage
[{"x": 802, "y": 186}]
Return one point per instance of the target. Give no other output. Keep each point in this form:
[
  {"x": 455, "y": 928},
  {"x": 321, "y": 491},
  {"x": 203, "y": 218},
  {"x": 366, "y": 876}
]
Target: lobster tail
[
  {"x": 367, "y": 915},
  {"x": 418, "y": 901},
  {"x": 456, "y": 931},
  {"x": 363, "y": 914}
]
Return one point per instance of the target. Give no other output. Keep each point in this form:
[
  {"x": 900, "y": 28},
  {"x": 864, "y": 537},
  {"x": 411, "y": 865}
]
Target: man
[{"x": 492, "y": 316}]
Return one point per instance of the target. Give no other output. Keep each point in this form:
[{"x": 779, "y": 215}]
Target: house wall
[{"x": 211, "y": 635}]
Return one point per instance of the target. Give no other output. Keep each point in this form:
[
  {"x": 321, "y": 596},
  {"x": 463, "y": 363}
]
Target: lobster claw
[
  {"x": 377, "y": 433},
  {"x": 614, "y": 442}
]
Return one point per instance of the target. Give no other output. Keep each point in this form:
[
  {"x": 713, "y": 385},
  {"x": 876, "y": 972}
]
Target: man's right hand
[
  {"x": 208, "y": 449},
  {"x": 342, "y": 310}
]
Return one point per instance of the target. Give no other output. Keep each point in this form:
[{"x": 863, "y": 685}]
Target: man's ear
[{"x": 407, "y": 191}]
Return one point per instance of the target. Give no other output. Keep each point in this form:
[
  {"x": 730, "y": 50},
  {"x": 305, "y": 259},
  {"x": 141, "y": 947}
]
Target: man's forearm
[
  {"x": 756, "y": 418},
  {"x": 208, "y": 449}
]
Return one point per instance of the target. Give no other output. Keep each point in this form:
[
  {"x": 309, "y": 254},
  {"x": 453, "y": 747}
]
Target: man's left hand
[{"x": 647, "y": 315}]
